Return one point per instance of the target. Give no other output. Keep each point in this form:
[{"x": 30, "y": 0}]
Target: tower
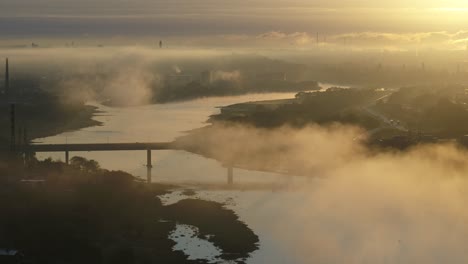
[
  {"x": 9, "y": 100},
  {"x": 12, "y": 127},
  {"x": 7, "y": 81}
]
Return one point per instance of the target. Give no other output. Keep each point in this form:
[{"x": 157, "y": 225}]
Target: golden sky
[{"x": 194, "y": 18}]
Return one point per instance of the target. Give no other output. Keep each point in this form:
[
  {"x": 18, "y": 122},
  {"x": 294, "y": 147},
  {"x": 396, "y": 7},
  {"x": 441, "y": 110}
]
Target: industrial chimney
[
  {"x": 7, "y": 81},
  {"x": 9, "y": 100}
]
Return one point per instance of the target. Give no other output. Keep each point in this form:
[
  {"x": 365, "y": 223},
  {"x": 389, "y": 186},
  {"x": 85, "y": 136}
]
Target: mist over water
[
  {"x": 312, "y": 189},
  {"x": 359, "y": 207},
  {"x": 349, "y": 205},
  {"x": 352, "y": 206},
  {"x": 158, "y": 123},
  {"x": 387, "y": 209}
]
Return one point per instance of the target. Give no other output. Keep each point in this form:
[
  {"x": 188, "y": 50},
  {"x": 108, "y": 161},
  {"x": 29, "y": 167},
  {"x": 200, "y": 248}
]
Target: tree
[{"x": 82, "y": 164}]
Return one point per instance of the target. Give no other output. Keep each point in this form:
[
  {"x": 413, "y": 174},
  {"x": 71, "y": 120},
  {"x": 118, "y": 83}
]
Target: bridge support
[
  {"x": 230, "y": 175},
  {"x": 149, "y": 165},
  {"x": 67, "y": 157}
]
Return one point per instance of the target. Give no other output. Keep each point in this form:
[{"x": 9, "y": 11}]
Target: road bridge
[
  {"x": 136, "y": 146},
  {"x": 67, "y": 148}
]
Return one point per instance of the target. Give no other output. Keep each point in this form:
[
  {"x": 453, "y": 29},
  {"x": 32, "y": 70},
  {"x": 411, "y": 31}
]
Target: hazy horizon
[
  {"x": 289, "y": 131},
  {"x": 438, "y": 24}
]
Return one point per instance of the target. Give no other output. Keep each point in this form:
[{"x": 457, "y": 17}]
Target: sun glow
[{"x": 451, "y": 9}]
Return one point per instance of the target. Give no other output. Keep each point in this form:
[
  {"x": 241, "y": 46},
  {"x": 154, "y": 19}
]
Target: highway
[{"x": 386, "y": 122}]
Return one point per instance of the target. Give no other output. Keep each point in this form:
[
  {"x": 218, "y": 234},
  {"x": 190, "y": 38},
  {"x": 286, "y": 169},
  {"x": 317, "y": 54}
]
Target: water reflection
[
  {"x": 161, "y": 122},
  {"x": 257, "y": 197}
]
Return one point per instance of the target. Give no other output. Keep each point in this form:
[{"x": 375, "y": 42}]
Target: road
[{"x": 386, "y": 122}]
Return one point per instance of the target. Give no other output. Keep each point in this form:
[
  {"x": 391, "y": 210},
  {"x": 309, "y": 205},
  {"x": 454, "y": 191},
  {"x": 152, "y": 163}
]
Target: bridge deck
[{"x": 101, "y": 147}]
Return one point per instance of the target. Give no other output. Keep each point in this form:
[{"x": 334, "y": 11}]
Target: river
[{"x": 165, "y": 122}]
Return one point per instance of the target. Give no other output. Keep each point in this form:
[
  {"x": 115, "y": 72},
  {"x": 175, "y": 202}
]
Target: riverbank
[
  {"x": 80, "y": 213},
  {"x": 228, "y": 137},
  {"x": 194, "y": 90},
  {"x": 80, "y": 119},
  {"x": 44, "y": 120}
]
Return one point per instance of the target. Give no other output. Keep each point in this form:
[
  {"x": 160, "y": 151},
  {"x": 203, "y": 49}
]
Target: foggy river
[
  {"x": 165, "y": 122},
  {"x": 375, "y": 216},
  {"x": 159, "y": 123}
]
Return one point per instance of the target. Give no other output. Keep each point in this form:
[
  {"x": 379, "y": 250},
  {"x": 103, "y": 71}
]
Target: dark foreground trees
[{"x": 84, "y": 214}]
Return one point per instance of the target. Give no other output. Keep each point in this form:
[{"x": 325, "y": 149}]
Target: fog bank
[{"x": 362, "y": 207}]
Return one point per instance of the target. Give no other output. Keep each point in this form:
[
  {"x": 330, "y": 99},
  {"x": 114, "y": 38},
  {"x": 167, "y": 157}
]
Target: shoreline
[
  {"x": 140, "y": 227},
  {"x": 85, "y": 119}
]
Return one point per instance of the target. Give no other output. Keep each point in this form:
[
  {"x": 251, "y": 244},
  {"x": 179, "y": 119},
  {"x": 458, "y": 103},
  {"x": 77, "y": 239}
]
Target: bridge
[
  {"x": 101, "y": 147},
  {"x": 67, "y": 148},
  {"x": 88, "y": 147}
]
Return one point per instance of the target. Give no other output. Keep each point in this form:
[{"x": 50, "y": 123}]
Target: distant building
[
  {"x": 206, "y": 77},
  {"x": 7, "y": 81}
]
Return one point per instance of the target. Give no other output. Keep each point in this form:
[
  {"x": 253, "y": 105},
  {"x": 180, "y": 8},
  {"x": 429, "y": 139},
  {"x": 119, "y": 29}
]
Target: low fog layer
[
  {"x": 363, "y": 207},
  {"x": 360, "y": 207},
  {"x": 133, "y": 75},
  {"x": 124, "y": 75}
]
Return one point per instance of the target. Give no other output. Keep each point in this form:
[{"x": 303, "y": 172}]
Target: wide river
[{"x": 165, "y": 122}]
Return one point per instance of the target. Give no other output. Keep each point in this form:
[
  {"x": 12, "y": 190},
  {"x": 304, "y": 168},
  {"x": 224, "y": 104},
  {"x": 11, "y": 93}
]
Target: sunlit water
[
  {"x": 188, "y": 241},
  {"x": 262, "y": 211},
  {"x": 160, "y": 123},
  {"x": 165, "y": 122}
]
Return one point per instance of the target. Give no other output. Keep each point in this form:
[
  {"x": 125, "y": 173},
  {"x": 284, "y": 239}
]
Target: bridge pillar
[
  {"x": 230, "y": 175},
  {"x": 149, "y": 165},
  {"x": 67, "y": 157}
]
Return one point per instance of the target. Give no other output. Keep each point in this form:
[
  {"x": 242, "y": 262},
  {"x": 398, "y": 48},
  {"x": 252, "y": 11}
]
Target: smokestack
[
  {"x": 12, "y": 124},
  {"x": 7, "y": 81},
  {"x": 19, "y": 137}
]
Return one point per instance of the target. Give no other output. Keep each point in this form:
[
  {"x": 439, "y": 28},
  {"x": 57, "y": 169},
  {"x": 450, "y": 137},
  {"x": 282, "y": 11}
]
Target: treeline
[
  {"x": 196, "y": 89},
  {"x": 44, "y": 114},
  {"x": 334, "y": 105}
]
